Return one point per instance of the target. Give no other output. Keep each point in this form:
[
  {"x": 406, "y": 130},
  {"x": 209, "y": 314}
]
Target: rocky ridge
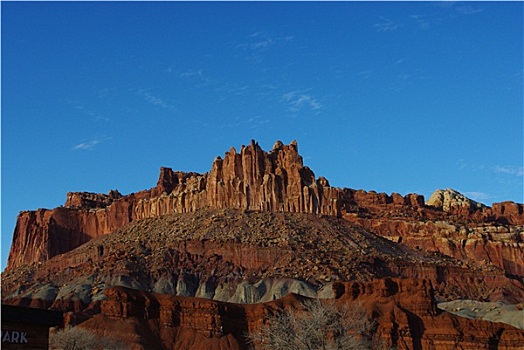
[
  {"x": 247, "y": 257},
  {"x": 404, "y": 311},
  {"x": 256, "y": 228},
  {"x": 250, "y": 180}
]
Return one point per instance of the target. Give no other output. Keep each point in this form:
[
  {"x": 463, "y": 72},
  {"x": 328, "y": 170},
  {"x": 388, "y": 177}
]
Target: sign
[
  {"x": 14, "y": 337},
  {"x": 27, "y": 328}
]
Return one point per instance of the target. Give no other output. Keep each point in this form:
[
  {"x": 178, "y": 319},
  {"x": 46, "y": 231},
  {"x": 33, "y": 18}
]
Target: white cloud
[
  {"x": 154, "y": 100},
  {"x": 262, "y": 41},
  {"x": 461, "y": 164},
  {"x": 90, "y": 144},
  {"x": 258, "y": 41},
  {"x": 196, "y": 77},
  {"x": 386, "y": 25},
  {"x": 233, "y": 89},
  {"x": 238, "y": 89},
  {"x": 192, "y": 74},
  {"x": 446, "y": 4},
  {"x": 477, "y": 196},
  {"x": 468, "y": 10},
  {"x": 85, "y": 110},
  {"x": 421, "y": 21},
  {"x": 261, "y": 44},
  {"x": 257, "y": 122},
  {"x": 459, "y": 7},
  {"x": 365, "y": 74},
  {"x": 298, "y": 100},
  {"x": 510, "y": 170}
]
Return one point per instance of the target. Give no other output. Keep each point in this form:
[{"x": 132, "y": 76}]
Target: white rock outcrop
[{"x": 450, "y": 199}]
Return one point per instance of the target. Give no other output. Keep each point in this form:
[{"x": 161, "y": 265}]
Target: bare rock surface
[
  {"x": 451, "y": 200},
  {"x": 209, "y": 256},
  {"x": 403, "y": 310},
  {"x": 251, "y": 179},
  {"x": 512, "y": 314}
]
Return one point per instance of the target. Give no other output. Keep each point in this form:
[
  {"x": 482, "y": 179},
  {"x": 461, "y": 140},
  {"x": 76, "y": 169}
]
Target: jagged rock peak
[
  {"x": 278, "y": 145},
  {"x": 254, "y": 179},
  {"x": 451, "y": 200},
  {"x": 91, "y": 200}
]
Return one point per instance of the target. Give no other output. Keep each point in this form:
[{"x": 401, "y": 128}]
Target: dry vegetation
[
  {"x": 319, "y": 325},
  {"x": 75, "y": 338}
]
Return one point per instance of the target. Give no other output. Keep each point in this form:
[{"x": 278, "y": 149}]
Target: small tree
[
  {"x": 320, "y": 325},
  {"x": 74, "y": 338}
]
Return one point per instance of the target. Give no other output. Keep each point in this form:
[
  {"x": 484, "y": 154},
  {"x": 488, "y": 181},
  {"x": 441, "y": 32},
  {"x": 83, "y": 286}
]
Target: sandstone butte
[{"x": 207, "y": 285}]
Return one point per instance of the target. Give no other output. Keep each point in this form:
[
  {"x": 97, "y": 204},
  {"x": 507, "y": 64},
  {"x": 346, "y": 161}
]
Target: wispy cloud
[
  {"x": 468, "y": 10},
  {"x": 421, "y": 21},
  {"x": 257, "y": 123},
  {"x": 509, "y": 170},
  {"x": 459, "y": 7},
  {"x": 83, "y": 109},
  {"x": 106, "y": 92},
  {"x": 197, "y": 77},
  {"x": 386, "y": 25},
  {"x": 237, "y": 90},
  {"x": 192, "y": 73},
  {"x": 365, "y": 74},
  {"x": 477, "y": 196},
  {"x": 461, "y": 163},
  {"x": 298, "y": 100},
  {"x": 232, "y": 89},
  {"x": 501, "y": 170},
  {"x": 154, "y": 100},
  {"x": 261, "y": 41},
  {"x": 90, "y": 144},
  {"x": 445, "y": 4}
]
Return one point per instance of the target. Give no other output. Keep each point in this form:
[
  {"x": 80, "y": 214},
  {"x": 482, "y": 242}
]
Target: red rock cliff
[
  {"x": 251, "y": 179},
  {"x": 403, "y": 309}
]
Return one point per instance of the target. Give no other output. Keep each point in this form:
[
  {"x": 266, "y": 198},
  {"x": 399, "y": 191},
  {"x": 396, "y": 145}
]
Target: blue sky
[{"x": 393, "y": 97}]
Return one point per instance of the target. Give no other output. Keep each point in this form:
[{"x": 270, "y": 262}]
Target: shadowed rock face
[
  {"x": 227, "y": 255},
  {"x": 404, "y": 310},
  {"x": 237, "y": 256}
]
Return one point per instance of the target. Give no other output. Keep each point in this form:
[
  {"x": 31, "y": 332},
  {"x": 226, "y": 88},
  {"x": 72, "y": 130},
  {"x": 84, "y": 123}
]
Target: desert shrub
[
  {"x": 74, "y": 338},
  {"x": 318, "y": 325}
]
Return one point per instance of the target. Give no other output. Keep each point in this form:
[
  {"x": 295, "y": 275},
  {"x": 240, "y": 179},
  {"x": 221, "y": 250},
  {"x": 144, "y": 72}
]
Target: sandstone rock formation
[
  {"x": 249, "y": 180},
  {"x": 482, "y": 235},
  {"x": 404, "y": 311},
  {"x": 197, "y": 248},
  {"x": 494, "y": 312},
  {"x": 91, "y": 200},
  {"x": 450, "y": 200},
  {"x": 248, "y": 257}
]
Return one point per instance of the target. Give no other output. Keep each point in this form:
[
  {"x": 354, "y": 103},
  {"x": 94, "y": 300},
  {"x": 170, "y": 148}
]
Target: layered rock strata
[
  {"x": 258, "y": 227},
  {"x": 248, "y": 257},
  {"x": 405, "y": 313},
  {"x": 251, "y": 179}
]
